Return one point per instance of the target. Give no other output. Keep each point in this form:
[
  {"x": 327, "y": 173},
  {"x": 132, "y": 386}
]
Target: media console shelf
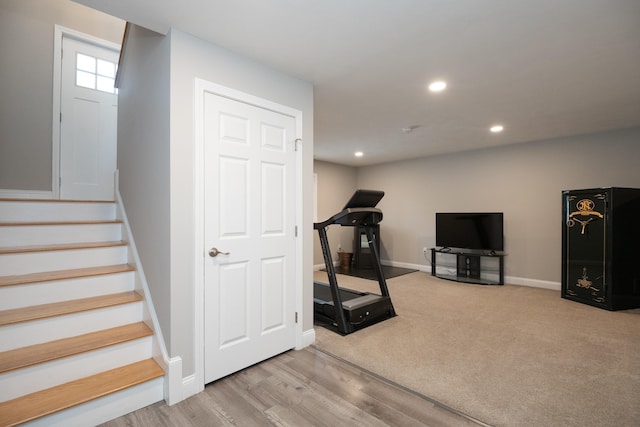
[{"x": 483, "y": 268}]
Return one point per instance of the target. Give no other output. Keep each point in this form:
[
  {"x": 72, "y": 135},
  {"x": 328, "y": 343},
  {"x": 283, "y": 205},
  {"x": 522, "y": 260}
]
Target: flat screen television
[{"x": 470, "y": 230}]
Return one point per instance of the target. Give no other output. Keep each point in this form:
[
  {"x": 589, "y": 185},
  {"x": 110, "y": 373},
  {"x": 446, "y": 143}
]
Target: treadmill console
[
  {"x": 364, "y": 199},
  {"x": 359, "y": 210}
]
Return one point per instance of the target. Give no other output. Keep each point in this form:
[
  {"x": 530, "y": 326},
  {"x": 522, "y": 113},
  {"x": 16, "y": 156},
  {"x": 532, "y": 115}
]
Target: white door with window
[
  {"x": 249, "y": 234},
  {"x": 88, "y": 121}
]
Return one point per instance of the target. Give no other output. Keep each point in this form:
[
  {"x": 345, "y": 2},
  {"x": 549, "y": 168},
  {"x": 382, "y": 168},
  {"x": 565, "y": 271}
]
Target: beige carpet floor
[{"x": 506, "y": 355}]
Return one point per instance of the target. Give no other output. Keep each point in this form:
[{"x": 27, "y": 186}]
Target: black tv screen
[{"x": 476, "y": 230}]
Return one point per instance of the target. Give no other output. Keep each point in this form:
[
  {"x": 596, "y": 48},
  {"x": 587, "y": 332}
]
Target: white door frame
[
  {"x": 201, "y": 87},
  {"x": 59, "y": 33}
]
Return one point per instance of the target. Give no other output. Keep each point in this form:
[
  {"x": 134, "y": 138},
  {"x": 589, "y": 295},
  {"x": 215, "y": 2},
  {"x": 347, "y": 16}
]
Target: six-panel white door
[
  {"x": 249, "y": 213},
  {"x": 88, "y": 127}
]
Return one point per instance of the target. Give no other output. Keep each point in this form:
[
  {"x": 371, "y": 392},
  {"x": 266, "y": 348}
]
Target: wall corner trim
[{"x": 308, "y": 337}]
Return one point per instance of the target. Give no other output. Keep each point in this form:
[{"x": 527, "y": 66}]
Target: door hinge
[
  {"x": 60, "y": 116},
  {"x": 295, "y": 144},
  {"x": 296, "y": 317},
  {"x": 296, "y": 231}
]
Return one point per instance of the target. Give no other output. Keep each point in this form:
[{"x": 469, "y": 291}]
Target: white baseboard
[
  {"x": 534, "y": 283},
  {"x": 318, "y": 267},
  {"x": 419, "y": 267},
  {"x": 190, "y": 387},
  {"x": 511, "y": 280}
]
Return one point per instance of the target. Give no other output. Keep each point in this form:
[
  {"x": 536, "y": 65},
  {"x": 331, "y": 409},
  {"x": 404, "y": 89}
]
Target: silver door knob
[{"x": 214, "y": 252}]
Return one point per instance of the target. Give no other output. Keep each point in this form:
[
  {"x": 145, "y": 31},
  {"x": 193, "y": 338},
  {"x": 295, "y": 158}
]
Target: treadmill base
[{"x": 361, "y": 309}]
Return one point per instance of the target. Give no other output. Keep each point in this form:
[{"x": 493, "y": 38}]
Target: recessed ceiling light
[
  {"x": 437, "y": 86},
  {"x": 358, "y": 154},
  {"x": 496, "y": 128}
]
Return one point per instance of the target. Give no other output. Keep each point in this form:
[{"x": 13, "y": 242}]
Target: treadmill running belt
[{"x": 322, "y": 292}]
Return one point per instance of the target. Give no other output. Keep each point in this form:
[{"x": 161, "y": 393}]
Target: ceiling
[{"x": 541, "y": 68}]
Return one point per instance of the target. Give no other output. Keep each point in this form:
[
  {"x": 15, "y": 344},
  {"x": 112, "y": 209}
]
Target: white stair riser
[
  {"x": 106, "y": 408},
  {"x": 25, "y": 211},
  {"x": 45, "y": 375},
  {"x": 26, "y": 295},
  {"x": 37, "y": 262},
  {"x": 32, "y": 235},
  {"x": 43, "y": 330}
]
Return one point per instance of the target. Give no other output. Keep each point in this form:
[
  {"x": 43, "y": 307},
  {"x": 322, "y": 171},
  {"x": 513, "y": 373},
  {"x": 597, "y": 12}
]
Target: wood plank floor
[{"x": 300, "y": 388}]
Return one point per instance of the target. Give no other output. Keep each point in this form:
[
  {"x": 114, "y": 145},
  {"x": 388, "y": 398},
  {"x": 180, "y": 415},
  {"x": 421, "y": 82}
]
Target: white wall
[
  {"x": 26, "y": 85},
  {"x": 524, "y": 181}
]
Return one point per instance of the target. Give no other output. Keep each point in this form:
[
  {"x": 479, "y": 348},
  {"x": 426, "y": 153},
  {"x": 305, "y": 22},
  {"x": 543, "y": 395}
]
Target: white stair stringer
[
  {"x": 25, "y": 224},
  {"x": 174, "y": 388}
]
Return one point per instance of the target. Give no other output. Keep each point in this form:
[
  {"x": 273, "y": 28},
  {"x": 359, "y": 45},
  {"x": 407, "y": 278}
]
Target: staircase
[{"x": 75, "y": 343}]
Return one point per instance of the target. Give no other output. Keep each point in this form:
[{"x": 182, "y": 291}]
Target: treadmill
[{"x": 346, "y": 310}]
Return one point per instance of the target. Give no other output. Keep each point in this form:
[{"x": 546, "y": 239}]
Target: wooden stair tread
[
  {"x": 60, "y": 247},
  {"x": 32, "y": 223},
  {"x": 45, "y": 402},
  {"x": 25, "y": 314},
  {"x": 32, "y": 355},
  {"x": 46, "y": 276}
]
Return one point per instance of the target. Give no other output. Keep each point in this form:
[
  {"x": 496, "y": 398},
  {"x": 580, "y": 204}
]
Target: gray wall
[
  {"x": 524, "y": 181},
  {"x": 143, "y": 160},
  {"x": 26, "y": 83},
  {"x": 157, "y": 160},
  {"x": 335, "y": 185}
]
